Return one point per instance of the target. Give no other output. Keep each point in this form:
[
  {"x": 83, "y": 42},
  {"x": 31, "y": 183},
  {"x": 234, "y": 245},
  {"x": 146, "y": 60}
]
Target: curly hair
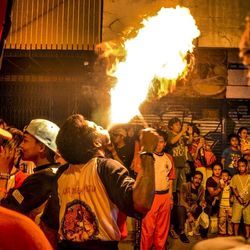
[
  {"x": 14, "y": 143},
  {"x": 78, "y": 140},
  {"x": 17, "y": 137}
]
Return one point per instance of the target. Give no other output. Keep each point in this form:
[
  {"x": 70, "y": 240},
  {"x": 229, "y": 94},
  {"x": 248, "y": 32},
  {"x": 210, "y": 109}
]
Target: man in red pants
[{"x": 155, "y": 225}]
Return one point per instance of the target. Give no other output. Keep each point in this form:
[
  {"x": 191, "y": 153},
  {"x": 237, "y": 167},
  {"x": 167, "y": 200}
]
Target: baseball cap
[{"x": 44, "y": 131}]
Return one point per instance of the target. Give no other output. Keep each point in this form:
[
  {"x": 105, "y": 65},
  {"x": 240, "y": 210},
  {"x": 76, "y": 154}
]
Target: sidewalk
[
  {"x": 178, "y": 245},
  {"x": 173, "y": 244}
]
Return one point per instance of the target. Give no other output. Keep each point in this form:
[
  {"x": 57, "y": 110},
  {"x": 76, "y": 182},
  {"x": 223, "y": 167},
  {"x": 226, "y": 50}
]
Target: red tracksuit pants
[{"x": 155, "y": 225}]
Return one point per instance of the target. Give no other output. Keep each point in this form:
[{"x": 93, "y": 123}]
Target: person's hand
[
  {"x": 149, "y": 140},
  {"x": 6, "y": 159},
  {"x": 184, "y": 128},
  {"x": 241, "y": 201},
  {"x": 214, "y": 201},
  {"x": 203, "y": 204},
  {"x": 200, "y": 145},
  {"x": 222, "y": 184},
  {"x": 190, "y": 130},
  {"x": 247, "y": 203}
]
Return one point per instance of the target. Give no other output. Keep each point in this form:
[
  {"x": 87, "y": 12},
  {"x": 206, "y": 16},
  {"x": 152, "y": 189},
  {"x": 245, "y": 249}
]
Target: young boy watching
[
  {"x": 240, "y": 185},
  {"x": 225, "y": 225},
  {"x": 231, "y": 155}
]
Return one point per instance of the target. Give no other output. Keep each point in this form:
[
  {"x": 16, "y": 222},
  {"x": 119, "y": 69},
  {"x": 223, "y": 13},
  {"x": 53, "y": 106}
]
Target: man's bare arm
[{"x": 144, "y": 187}]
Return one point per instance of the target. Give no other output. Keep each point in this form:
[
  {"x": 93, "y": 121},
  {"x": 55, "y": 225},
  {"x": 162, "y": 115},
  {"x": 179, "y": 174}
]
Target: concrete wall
[{"x": 221, "y": 22}]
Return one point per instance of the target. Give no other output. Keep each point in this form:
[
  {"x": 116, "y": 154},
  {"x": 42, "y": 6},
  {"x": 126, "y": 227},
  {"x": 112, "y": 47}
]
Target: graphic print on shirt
[
  {"x": 234, "y": 160},
  {"x": 79, "y": 222},
  {"x": 244, "y": 192},
  {"x": 179, "y": 149}
]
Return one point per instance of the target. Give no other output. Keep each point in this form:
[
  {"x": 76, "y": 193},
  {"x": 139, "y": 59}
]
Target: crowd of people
[
  {"x": 78, "y": 183},
  {"x": 201, "y": 186}
]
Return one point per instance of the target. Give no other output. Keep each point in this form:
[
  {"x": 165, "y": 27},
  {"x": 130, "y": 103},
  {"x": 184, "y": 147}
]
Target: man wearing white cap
[{"x": 38, "y": 146}]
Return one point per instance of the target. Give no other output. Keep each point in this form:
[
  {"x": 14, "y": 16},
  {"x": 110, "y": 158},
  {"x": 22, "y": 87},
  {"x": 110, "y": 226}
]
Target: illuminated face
[
  {"x": 242, "y": 167},
  {"x": 225, "y": 177},
  {"x": 176, "y": 127},
  {"x": 234, "y": 142},
  {"x": 161, "y": 145},
  {"x": 217, "y": 171},
  {"x": 243, "y": 134},
  {"x": 30, "y": 148},
  {"x": 197, "y": 179}
]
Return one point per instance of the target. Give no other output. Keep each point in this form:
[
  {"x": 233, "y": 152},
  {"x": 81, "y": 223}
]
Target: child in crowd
[
  {"x": 202, "y": 155},
  {"x": 225, "y": 211},
  {"x": 244, "y": 141},
  {"x": 214, "y": 188},
  {"x": 240, "y": 185},
  {"x": 231, "y": 155}
]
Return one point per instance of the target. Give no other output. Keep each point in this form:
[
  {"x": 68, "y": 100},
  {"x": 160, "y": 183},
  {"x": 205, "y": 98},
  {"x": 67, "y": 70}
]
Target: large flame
[{"x": 159, "y": 51}]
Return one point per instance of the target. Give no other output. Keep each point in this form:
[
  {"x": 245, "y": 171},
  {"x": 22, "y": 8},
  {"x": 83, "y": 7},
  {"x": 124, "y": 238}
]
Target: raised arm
[
  {"x": 144, "y": 187},
  {"x": 214, "y": 191}
]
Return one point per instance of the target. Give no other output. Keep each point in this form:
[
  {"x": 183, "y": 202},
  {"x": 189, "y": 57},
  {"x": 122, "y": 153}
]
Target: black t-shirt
[
  {"x": 126, "y": 154},
  {"x": 210, "y": 183},
  {"x": 194, "y": 191},
  {"x": 34, "y": 191}
]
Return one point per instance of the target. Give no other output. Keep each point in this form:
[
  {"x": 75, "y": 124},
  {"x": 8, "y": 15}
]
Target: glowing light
[{"x": 159, "y": 52}]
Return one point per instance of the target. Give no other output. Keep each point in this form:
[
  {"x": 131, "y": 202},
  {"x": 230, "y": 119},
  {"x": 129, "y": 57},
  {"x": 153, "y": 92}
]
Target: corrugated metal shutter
[
  {"x": 241, "y": 115},
  {"x": 211, "y": 129},
  {"x": 55, "y": 24}
]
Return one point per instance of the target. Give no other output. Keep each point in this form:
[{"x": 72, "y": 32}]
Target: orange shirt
[{"x": 19, "y": 232}]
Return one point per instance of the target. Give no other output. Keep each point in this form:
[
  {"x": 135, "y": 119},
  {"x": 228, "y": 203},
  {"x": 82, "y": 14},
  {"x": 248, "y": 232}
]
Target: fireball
[{"x": 158, "y": 52}]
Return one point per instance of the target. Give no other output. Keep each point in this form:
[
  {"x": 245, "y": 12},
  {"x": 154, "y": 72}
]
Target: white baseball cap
[{"x": 44, "y": 131}]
